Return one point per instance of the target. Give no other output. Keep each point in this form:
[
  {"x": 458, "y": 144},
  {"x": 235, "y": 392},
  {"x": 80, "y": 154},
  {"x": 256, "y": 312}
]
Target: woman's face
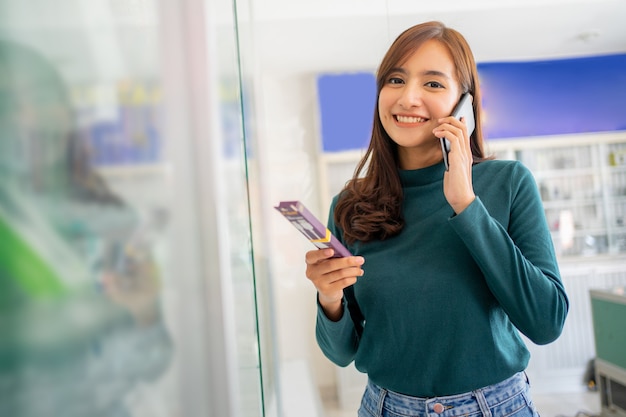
[{"x": 414, "y": 96}]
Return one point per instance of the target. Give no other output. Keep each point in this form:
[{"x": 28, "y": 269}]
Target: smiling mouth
[{"x": 409, "y": 119}]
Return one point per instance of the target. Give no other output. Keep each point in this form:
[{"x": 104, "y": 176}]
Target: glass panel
[
  {"x": 284, "y": 47},
  {"x": 108, "y": 303},
  {"x": 234, "y": 152},
  {"x": 83, "y": 211}
]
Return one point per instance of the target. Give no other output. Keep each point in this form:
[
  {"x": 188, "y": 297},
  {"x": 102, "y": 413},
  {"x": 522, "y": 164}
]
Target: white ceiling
[
  {"x": 336, "y": 35},
  {"x": 318, "y": 35}
]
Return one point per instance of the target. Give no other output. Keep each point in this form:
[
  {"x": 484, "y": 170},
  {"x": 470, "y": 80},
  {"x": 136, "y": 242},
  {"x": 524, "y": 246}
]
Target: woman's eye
[
  {"x": 395, "y": 80},
  {"x": 433, "y": 84}
]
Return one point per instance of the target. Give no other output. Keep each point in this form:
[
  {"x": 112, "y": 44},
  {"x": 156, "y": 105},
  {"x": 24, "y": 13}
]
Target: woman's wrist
[
  {"x": 333, "y": 309},
  {"x": 459, "y": 208}
]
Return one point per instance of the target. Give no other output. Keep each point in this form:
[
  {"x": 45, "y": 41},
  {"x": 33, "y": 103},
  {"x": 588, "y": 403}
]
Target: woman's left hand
[{"x": 457, "y": 181}]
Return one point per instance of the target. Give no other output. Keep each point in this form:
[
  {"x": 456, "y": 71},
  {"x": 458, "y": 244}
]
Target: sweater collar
[{"x": 422, "y": 176}]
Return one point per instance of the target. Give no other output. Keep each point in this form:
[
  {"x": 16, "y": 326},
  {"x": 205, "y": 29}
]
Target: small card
[{"x": 311, "y": 227}]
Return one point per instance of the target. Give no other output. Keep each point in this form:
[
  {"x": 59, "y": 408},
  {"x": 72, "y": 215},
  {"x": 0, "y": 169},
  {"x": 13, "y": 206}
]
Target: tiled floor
[{"x": 580, "y": 404}]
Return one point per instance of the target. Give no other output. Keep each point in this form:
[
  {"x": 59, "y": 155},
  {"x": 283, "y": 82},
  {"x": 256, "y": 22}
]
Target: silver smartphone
[{"x": 464, "y": 110}]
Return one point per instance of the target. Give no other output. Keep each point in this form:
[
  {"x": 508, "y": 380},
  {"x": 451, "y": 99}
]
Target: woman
[{"x": 448, "y": 265}]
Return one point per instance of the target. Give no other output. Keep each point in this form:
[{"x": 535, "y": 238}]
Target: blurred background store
[{"x": 143, "y": 145}]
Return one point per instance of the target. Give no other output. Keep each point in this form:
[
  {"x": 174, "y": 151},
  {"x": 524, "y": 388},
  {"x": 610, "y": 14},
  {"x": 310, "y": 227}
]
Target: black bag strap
[{"x": 355, "y": 311}]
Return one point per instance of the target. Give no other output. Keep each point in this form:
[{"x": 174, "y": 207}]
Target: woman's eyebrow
[
  {"x": 428, "y": 73},
  {"x": 436, "y": 73},
  {"x": 398, "y": 69}
]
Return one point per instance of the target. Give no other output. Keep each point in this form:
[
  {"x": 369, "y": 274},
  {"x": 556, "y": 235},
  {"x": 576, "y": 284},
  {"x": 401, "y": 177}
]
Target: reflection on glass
[
  {"x": 80, "y": 316},
  {"x": 98, "y": 314}
]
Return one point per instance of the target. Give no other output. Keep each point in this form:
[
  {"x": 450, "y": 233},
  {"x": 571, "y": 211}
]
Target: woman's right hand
[{"x": 330, "y": 276}]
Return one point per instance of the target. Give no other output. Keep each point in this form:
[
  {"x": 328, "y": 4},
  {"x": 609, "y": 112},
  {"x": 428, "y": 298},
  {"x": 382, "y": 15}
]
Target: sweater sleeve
[
  {"x": 519, "y": 263},
  {"x": 337, "y": 339}
]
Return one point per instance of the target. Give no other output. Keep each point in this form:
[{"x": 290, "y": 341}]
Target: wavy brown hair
[{"x": 370, "y": 205}]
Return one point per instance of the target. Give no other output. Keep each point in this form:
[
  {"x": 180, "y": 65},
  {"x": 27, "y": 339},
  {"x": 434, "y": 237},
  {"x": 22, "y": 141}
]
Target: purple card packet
[{"x": 311, "y": 227}]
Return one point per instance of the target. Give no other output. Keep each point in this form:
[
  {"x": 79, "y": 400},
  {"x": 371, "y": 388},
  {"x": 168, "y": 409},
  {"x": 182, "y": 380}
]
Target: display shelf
[
  {"x": 563, "y": 173},
  {"x": 583, "y": 186},
  {"x": 133, "y": 170},
  {"x": 573, "y": 202},
  {"x": 620, "y": 169},
  {"x": 581, "y": 179}
]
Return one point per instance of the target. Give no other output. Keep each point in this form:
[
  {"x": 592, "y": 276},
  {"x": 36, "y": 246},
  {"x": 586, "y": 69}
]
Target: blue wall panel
[
  {"x": 347, "y": 103},
  {"x": 554, "y": 97}
]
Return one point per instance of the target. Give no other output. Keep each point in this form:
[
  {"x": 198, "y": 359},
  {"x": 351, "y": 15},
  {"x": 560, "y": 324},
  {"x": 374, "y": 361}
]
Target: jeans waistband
[{"x": 480, "y": 400}]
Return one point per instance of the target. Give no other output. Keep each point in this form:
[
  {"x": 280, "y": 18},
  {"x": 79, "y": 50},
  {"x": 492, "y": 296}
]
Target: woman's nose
[{"x": 411, "y": 97}]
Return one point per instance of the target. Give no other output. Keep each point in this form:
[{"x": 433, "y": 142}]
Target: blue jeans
[{"x": 510, "y": 397}]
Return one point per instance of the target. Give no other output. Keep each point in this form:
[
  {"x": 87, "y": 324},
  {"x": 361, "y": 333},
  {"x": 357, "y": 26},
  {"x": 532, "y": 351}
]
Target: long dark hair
[{"x": 370, "y": 205}]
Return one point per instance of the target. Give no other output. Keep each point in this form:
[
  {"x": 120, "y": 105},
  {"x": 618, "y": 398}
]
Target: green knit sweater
[{"x": 443, "y": 301}]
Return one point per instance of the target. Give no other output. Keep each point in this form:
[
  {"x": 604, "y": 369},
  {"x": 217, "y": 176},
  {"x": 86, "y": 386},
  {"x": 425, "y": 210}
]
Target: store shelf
[
  {"x": 581, "y": 178},
  {"x": 133, "y": 170}
]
